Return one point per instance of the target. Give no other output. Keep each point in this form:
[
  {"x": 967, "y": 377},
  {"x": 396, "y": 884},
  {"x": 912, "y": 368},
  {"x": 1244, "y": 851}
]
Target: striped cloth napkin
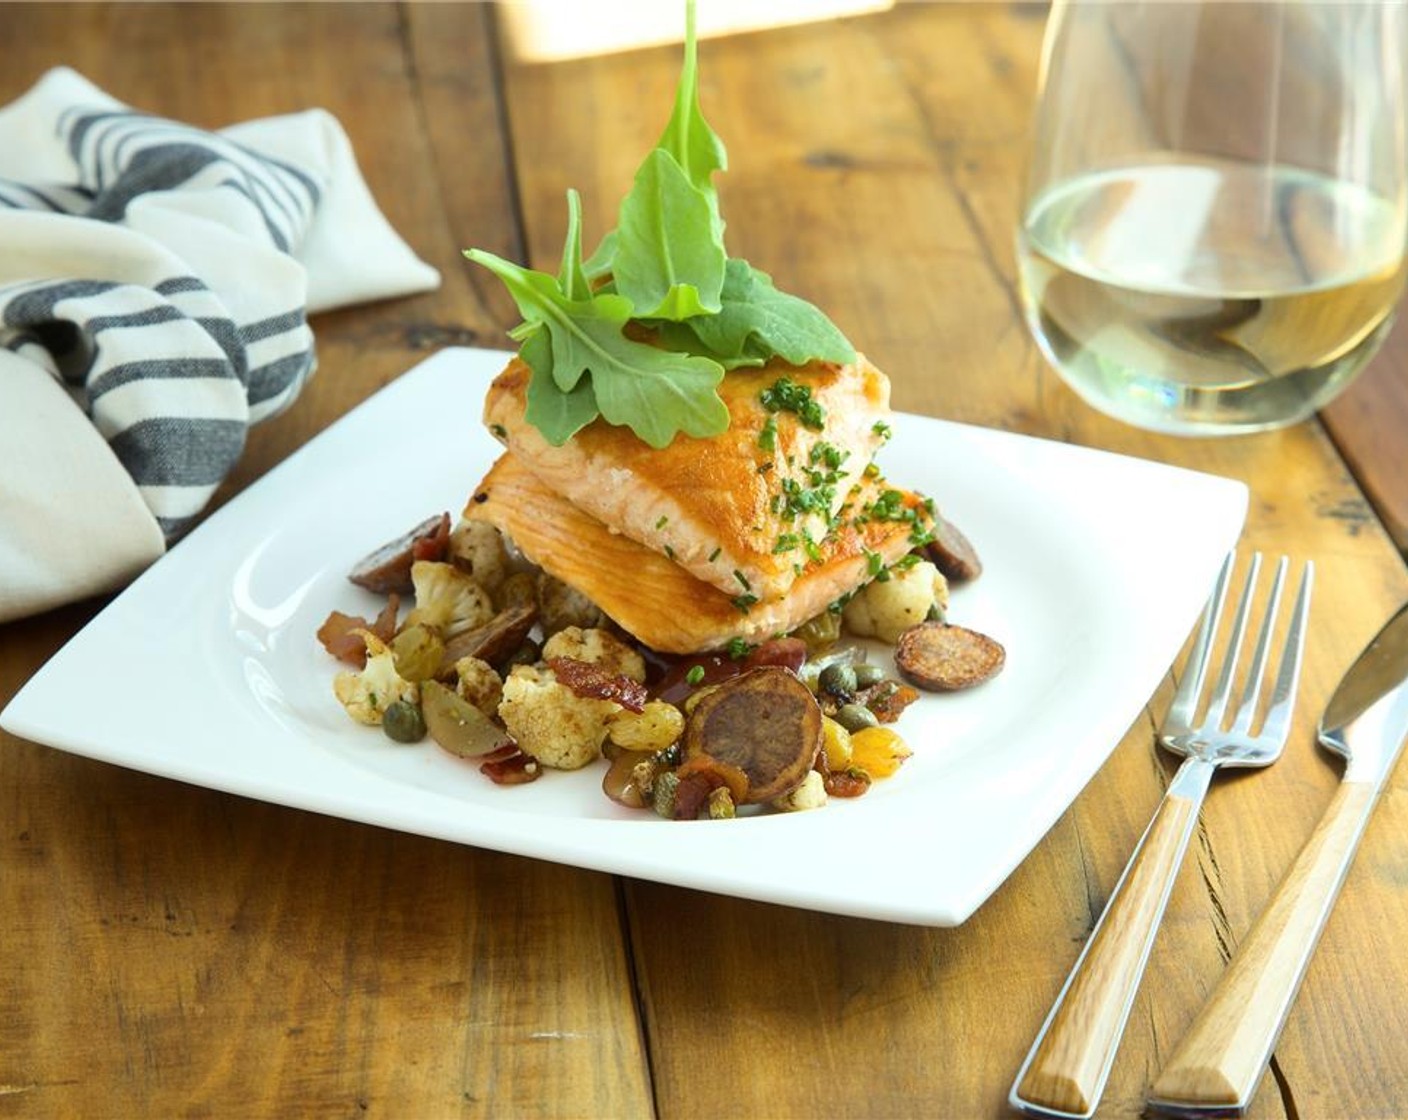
[{"x": 155, "y": 282}]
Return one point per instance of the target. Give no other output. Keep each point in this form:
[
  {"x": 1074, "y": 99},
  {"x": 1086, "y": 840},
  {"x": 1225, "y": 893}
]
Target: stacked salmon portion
[{"x": 743, "y": 535}]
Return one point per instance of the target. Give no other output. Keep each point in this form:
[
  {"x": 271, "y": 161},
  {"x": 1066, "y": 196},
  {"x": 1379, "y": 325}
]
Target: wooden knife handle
[
  {"x": 1221, "y": 1059},
  {"x": 1066, "y": 1070}
]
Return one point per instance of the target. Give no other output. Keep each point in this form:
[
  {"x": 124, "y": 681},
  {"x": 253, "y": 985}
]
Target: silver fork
[{"x": 1066, "y": 1069}]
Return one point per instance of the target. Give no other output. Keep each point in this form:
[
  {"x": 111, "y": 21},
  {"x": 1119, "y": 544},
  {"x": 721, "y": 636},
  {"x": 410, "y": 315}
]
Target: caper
[
  {"x": 670, "y": 757},
  {"x": 868, "y": 675},
  {"x": 856, "y": 717},
  {"x": 820, "y": 633},
  {"x": 838, "y": 680},
  {"x": 526, "y": 654},
  {"x": 403, "y": 722},
  {"x": 662, "y": 796}
]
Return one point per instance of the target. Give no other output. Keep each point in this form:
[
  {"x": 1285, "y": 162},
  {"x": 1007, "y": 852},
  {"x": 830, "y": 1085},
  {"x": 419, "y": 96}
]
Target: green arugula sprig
[{"x": 664, "y": 268}]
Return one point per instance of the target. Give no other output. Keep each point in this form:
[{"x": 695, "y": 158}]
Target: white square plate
[{"x": 1095, "y": 569}]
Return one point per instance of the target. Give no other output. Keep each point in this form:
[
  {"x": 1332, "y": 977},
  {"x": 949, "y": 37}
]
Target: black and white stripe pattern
[
  {"x": 122, "y": 155},
  {"x": 183, "y": 325}
]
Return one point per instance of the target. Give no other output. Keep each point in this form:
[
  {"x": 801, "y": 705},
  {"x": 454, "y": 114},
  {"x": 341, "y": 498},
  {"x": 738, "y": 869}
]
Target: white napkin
[{"x": 154, "y": 285}]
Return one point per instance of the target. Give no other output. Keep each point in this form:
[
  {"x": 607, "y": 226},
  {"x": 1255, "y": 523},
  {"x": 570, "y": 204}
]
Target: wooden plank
[
  {"x": 875, "y": 165},
  {"x": 1368, "y": 424},
  {"x": 166, "y": 950}
]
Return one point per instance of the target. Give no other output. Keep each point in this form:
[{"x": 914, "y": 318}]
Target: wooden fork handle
[
  {"x": 1065, "y": 1072},
  {"x": 1217, "y": 1065}
]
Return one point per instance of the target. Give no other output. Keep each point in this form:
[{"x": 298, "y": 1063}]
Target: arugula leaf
[
  {"x": 669, "y": 260},
  {"x": 757, "y": 319},
  {"x": 557, "y": 415},
  {"x": 663, "y": 268},
  {"x": 656, "y": 393},
  {"x": 681, "y": 337},
  {"x": 599, "y": 263},
  {"x": 572, "y": 275},
  {"x": 688, "y": 136}
]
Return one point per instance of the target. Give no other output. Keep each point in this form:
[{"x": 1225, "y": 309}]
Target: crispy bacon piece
[
  {"x": 592, "y": 682},
  {"x": 691, "y": 795},
  {"x": 509, "y": 766},
  {"x": 336, "y": 633},
  {"x": 888, "y": 699}
]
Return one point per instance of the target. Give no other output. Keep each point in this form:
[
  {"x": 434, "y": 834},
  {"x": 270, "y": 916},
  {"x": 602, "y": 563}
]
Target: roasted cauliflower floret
[
  {"x": 550, "y": 722},
  {"x": 477, "y": 548},
  {"x": 811, "y": 794},
  {"x": 477, "y": 682},
  {"x": 654, "y": 729},
  {"x": 886, "y": 608},
  {"x": 599, "y": 648},
  {"x": 561, "y": 606},
  {"x": 447, "y": 600},
  {"x": 366, "y": 694}
]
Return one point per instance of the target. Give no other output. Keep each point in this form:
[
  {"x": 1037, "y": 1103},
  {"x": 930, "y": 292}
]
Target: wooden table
[{"x": 165, "y": 950}]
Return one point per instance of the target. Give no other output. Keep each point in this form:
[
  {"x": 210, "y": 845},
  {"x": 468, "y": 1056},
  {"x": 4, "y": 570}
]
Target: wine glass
[{"x": 1213, "y": 224}]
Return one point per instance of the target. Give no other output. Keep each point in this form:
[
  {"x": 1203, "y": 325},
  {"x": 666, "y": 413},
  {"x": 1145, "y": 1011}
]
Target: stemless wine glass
[{"x": 1213, "y": 225}]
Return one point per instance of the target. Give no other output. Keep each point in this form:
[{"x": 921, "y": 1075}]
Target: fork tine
[
  {"x": 1283, "y": 696},
  {"x": 1242, "y": 723},
  {"x": 1217, "y": 708},
  {"x": 1185, "y": 700}
]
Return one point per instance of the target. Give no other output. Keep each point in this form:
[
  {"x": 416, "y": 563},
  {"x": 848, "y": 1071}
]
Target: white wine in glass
[{"x": 1213, "y": 232}]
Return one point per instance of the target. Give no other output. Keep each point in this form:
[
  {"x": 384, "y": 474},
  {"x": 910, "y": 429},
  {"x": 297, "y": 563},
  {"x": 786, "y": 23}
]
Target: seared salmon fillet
[
  {"x": 656, "y": 600},
  {"x": 743, "y": 511}
]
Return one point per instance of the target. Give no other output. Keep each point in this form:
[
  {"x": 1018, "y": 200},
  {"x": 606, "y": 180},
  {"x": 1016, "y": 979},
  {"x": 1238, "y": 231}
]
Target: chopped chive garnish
[{"x": 786, "y": 395}]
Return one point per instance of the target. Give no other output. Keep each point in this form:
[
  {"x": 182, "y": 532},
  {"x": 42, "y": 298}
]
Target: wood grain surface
[{"x": 169, "y": 951}]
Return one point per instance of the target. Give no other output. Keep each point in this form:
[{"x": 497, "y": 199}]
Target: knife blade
[{"x": 1216, "y": 1068}]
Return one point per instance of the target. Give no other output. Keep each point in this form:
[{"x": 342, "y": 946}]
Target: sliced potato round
[
  {"x": 764, "y": 723},
  {"x": 946, "y": 658},
  {"x": 952, "y": 553}
]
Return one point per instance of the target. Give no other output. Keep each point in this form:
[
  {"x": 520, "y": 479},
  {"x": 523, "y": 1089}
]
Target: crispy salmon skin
[{"x": 657, "y": 601}]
